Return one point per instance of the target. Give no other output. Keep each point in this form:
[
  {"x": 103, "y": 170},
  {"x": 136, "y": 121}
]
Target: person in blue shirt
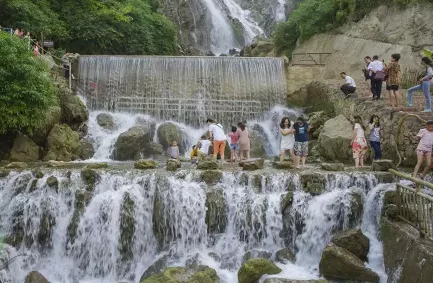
[{"x": 301, "y": 141}]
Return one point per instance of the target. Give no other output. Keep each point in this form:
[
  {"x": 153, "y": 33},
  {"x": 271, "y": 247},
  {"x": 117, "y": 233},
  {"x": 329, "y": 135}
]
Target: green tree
[{"x": 26, "y": 89}]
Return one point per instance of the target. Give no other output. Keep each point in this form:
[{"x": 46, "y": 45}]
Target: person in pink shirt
[
  {"x": 234, "y": 144},
  {"x": 424, "y": 149}
]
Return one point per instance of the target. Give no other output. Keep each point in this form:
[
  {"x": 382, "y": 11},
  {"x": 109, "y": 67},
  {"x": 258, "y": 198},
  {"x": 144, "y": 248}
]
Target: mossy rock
[
  {"x": 102, "y": 165},
  {"x": 198, "y": 274},
  {"x": 16, "y": 165},
  {"x": 4, "y": 173},
  {"x": 332, "y": 166},
  {"x": 24, "y": 150},
  {"x": 356, "y": 209},
  {"x": 38, "y": 173},
  {"x": 283, "y": 280},
  {"x": 127, "y": 229},
  {"x": 33, "y": 185},
  {"x": 62, "y": 142},
  {"x": 286, "y": 201},
  {"x": 47, "y": 223},
  {"x": 209, "y": 164},
  {"x": 313, "y": 183},
  {"x": 90, "y": 177},
  {"x": 53, "y": 183},
  {"x": 35, "y": 277},
  {"x": 105, "y": 121},
  {"x": 354, "y": 241},
  {"x": 216, "y": 214},
  {"x": 145, "y": 164},
  {"x": 211, "y": 176},
  {"x": 173, "y": 164},
  {"x": 256, "y": 254},
  {"x": 252, "y": 164},
  {"x": 253, "y": 269},
  {"x": 82, "y": 198},
  {"x": 285, "y": 255},
  {"x": 169, "y": 132},
  {"x": 74, "y": 112},
  {"x": 285, "y": 165}
]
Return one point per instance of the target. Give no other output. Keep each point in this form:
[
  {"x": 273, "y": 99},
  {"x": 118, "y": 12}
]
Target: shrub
[{"x": 26, "y": 89}]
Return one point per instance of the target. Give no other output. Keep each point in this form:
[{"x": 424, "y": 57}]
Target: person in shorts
[
  {"x": 424, "y": 149},
  {"x": 234, "y": 144},
  {"x": 393, "y": 73},
  {"x": 301, "y": 141},
  {"x": 219, "y": 138}
]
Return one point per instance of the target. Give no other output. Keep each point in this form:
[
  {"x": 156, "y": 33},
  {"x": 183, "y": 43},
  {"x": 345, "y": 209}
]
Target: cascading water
[
  {"x": 130, "y": 219},
  {"x": 183, "y": 89}
]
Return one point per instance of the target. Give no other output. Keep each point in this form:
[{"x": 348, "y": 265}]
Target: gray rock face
[
  {"x": 335, "y": 140},
  {"x": 39, "y": 136},
  {"x": 132, "y": 144},
  {"x": 24, "y": 149},
  {"x": 105, "y": 120},
  {"x": 353, "y": 241},
  {"x": 61, "y": 144}
]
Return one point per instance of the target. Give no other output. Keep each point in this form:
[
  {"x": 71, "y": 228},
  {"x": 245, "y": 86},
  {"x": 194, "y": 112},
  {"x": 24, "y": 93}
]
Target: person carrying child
[
  {"x": 287, "y": 138},
  {"x": 301, "y": 141},
  {"x": 234, "y": 144},
  {"x": 359, "y": 144},
  {"x": 424, "y": 149}
]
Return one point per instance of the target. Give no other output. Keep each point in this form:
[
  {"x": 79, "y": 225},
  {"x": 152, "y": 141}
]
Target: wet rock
[
  {"x": 335, "y": 140},
  {"x": 286, "y": 201},
  {"x": 16, "y": 165},
  {"x": 90, "y": 177},
  {"x": 83, "y": 130},
  {"x": 216, "y": 211},
  {"x": 257, "y": 183},
  {"x": 283, "y": 165},
  {"x": 211, "y": 176},
  {"x": 131, "y": 145},
  {"x": 33, "y": 185},
  {"x": 149, "y": 124},
  {"x": 339, "y": 264},
  {"x": 157, "y": 267},
  {"x": 253, "y": 164},
  {"x": 82, "y": 198},
  {"x": 282, "y": 280},
  {"x": 209, "y": 164},
  {"x": 37, "y": 173},
  {"x": 332, "y": 166},
  {"x": 24, "y": 150},
  {"x": 285, "y": 255},
  {"x": 257, "y": 147},
  {"x": 252, "y": 270},
  {"x": 154, "y": 148},
  {"x": 353, "y": 241},
  {"x": 4, "y": 173},
  {"x": 383, "y": 165},
  {"x": 85, "y": 149},
  {"x": 74, "y": 112},
  {"x": 169, "y": 132},
  {"x": 145, "y": 164},
  {"x": 173, "y": 164},
  {"x": 256, "y": 254},
  {"x": 390, "y": 198},
  {"x": 47, "y": 224},
  {"x": 105, "y": 121},
  {"x": 127, "y": 230},
  {"x": 317, "y": 120},
  {"x": 39, "y": 136},
  {"x": 53, "y": 183},
  {"x": 35, "y": 277},
  {"x": 100, "y": 165},
  {"x": 356, "y": 208},
  {"x": 192, "y": 274},
  {"x": 313, "y": 183},
  {"x": 61, "y": 144},
  {"x": 391, "y": 211}
]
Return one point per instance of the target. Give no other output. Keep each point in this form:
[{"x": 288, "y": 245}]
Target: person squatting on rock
[
  {"x": 424, "y": 84},
  {"x": 393, "y": 74},
  {"x": 424, "y": 149},
  {"x": 203, "y": 144},
  {"x": 234, "y": 144},
  {"x": 173, "y": 151},
  {"x": 287, "y": 138},
  {"x": 244, "y": 141},
  {"x": 216, "y": 133},
  {"x": 377, "y": 77},
  {"x": 359, "y": 144},
  {"x": 374, "y": 127},
  {"x": 349, "y": 85},
  {"x": 301, "y": 141}
]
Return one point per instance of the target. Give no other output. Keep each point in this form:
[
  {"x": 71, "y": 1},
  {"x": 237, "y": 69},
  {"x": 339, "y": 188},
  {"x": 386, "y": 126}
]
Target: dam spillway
[{"x": 183, "y": 89}]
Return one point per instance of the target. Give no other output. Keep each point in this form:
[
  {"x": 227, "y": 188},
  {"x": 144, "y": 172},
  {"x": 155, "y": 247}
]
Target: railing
[
  {"x": 309, "y": 59},
  {"x": 413, "y": 206}
]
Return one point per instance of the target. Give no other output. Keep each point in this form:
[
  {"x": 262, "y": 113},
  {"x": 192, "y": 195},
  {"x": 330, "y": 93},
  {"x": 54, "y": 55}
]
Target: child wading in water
[
  {"x": 374, "y": 126},
  {"x": 359, "y": 144},
  {"x": 234, "y": 144},
  {"x": 287, "y": 138},
  {"x": 424, "y": 149},
  {"x": 301, "y": 141}
]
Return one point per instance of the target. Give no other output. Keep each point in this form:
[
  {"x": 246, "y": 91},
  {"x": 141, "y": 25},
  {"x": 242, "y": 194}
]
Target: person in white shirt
[
  {"x": 349, "y": 85},
  {"x": 216, "y": 132},
  {"x": 376, "y": 84},
  {"x": 204, "y": 145}
]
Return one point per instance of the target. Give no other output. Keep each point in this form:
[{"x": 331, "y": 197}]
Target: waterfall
[{"x": 183, "y": 89}]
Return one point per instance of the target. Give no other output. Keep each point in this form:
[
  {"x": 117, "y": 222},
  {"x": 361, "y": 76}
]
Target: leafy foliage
[
  {"x": 94, "y": 26},
  {"x": 26, "y": 89}
]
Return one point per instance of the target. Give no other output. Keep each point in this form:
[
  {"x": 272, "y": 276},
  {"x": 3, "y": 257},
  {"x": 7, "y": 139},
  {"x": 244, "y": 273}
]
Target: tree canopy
[
  {"x": 94, "y": 26},
  {"x": 26, "y": 89}
]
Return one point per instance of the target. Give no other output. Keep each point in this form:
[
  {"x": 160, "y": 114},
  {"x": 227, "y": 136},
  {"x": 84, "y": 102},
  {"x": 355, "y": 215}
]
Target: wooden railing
[
  {"x": 309, "y": 59},
  {"x": 413, "y": 206}
]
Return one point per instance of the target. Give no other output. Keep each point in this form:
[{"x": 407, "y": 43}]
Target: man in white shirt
[
  {"x": 349, "y": 85},
  {"x": 216, "y": 132},
  {"x": 376, "y": 85}
]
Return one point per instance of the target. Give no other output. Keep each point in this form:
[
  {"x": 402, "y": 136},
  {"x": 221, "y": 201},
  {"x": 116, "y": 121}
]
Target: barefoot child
[
  {"x": 301, "y": 141},
  {"x": 359, "y": 144},
  {"x": 287, "y": 138},
  {"x": 424, "y": 149},
  {"x": 234, "y": 144}
]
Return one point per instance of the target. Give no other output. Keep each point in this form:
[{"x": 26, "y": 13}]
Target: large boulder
[
  {"x": 62, "y": 142},
  {"x": 353, "y": 241},
  {"x": 339, "y": 264},
  {"x": 35, "y": 277},
  {"x": 253, "y": 269},
  {"x": 335, "y": 140},
  {"x": 74, "y": 112},
  {"x": 149, "y": 124},
  {"x": 285, "y": 255},
  {"x": 24, "y": 149},
  {"x": 105, "y": 121},
  {"x": 253, "y": 164},
  {"x": 85, "y": 149},
  {"x": 216, "y": 211},
  {"x": 257, "y": 144},
  {"x": 316, "y": 120},
  {"x": 39, "y": 136},
  {"x": 191, "y": 274},
  {"x": 169, "y": 132},
  {"x": 132, "y": 144}
]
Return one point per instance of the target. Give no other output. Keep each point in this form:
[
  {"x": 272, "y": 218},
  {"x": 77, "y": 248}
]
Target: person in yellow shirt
[{"x": 194, "y": 154}]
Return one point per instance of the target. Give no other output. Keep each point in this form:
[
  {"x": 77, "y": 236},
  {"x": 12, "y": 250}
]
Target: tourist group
[{"x": 377, "y": 72}]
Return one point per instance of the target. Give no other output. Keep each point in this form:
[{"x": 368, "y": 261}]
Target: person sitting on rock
[
  {"x": 173, "y": 151},
  {"x": 424, "y": 149},
  {"x": 194, "y": 154},
  {"x": 349, "y": 86},
  {"x": 203, "y": 146}
]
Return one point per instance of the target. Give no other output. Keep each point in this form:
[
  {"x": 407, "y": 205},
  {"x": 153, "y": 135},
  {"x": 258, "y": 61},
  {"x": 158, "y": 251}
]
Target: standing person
[
  {"x": 424, "y": 149},
  {"x": 374, "y": 127},
  {"x": 28, "y": 39},
  {"x": 301, "y": 141},
  {"x": 244, "y": 141},
  {"x": 393, "y": 72},
  {"x": 366, "y": 72},
  {"x": 204, "y": 146},
  {"x": 17, "y": 32},
  {"x": 349, "y": 85},
  {"x": 287, "y": 138},
  {"x": 36, "y": 49},
  {"x": 234, "y": 144},
  {"x": 359, "y": 144},
  {"x": 173, "y": 151},
  {"x": 424, "y": 84},
  {"x": 216, "y": 133},
  {"x": 377, "y": 77}
]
